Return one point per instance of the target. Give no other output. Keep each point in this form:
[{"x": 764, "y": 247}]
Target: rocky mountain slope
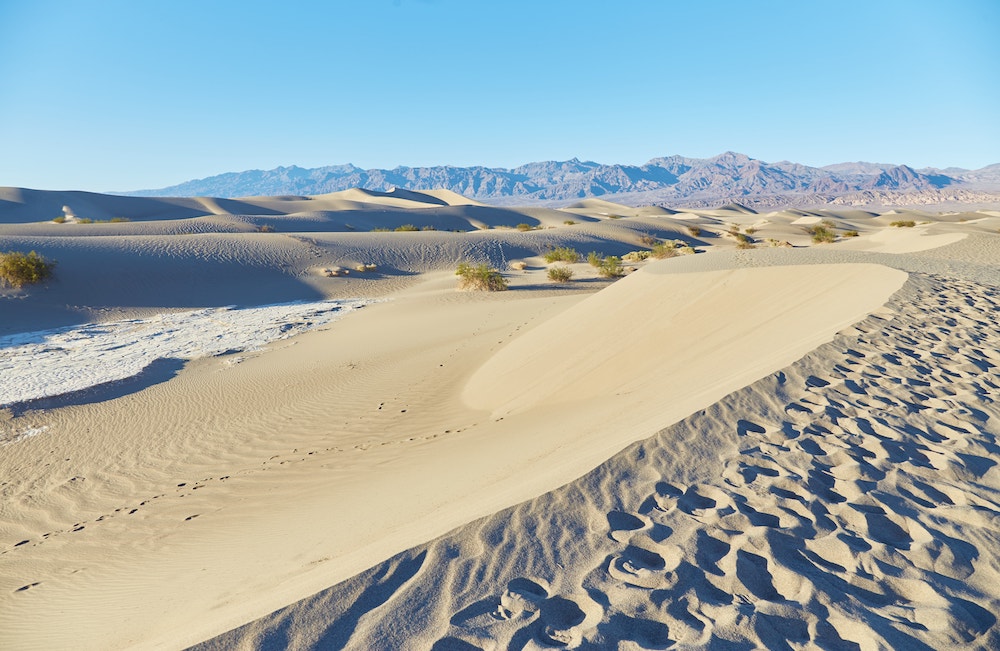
[{"x": 669, "y": 179}]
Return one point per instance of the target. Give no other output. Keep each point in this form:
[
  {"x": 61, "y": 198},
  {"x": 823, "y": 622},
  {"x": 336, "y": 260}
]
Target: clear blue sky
[{"x": 128, "y": 94}]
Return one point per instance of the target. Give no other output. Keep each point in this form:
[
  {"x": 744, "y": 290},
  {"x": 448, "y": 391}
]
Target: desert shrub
[
  {"x": 428, "y": 228},
  {"x": 480, "y": 276},
  {"x": 694, "y": 231},
  {"x": 266, "y": 228},
  {"x": 734, "y": 229},
  {"x": 778, "y": 243},
  {"x": 381, "y": 230},
  {"x": 611, "y": 267},
  {"x": 594, "y": 259},
  {"x": 119, "y": 220},
  {"x": 686, "y": 250},
  {"x": 20, "y": 269},
  {"x": 562, "y": 254},
  {"x": 903, "y": 223},
  {"x": 822, "y": 235},
  {"x": 363, "y": 267},
  {"x": 664, "y": 250},
  {"x": 524, "y": 227},
  {"x": 749, "y": 230},
  {"x": 61, "y": 219},
  {"x": 85, "y": 220},
  {"x": 614, "y": 216},
  {"x": 850, "y": 233},
  {"x": 636, "y": 256},
  {"x": 745, "y": 244},
  {"x": 560, "y": 274},
  {"x": 407, "y": 227},
  {"x": 569, "y": 222},
  {"x": 829, "y": 223},
  {"x": 648, "y": 240}
]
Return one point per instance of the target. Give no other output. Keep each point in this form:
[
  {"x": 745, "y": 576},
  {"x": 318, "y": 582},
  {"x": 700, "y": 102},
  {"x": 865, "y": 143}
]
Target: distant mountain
[{"x": 727, "y": 176}]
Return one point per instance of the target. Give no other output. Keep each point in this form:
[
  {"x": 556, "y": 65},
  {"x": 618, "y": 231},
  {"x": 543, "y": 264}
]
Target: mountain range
[{"x": 728, "y": 176}]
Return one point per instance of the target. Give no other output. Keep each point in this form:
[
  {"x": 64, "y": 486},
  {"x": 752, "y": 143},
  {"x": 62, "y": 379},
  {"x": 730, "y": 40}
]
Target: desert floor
[{"x": 782, "y": 447}]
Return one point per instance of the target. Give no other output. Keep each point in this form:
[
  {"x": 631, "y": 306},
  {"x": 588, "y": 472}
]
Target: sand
[{"x": 780, "y": 447}]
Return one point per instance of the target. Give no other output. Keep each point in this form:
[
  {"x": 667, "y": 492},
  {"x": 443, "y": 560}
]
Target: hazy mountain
[{"x": 727, "y": 176}]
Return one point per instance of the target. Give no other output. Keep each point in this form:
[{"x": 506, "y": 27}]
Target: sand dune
[{"x": 771, "y": 448}]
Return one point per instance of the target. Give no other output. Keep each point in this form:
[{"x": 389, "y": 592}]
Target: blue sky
[{"x": 120, "y": 95}]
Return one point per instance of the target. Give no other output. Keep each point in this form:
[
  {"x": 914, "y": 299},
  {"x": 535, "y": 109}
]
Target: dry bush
[
  {"x": 407, "y": 227},
  {"x": 61, "y": 219},
  {"x": 648, "y": 240},
  {"x": 851, "y": 233},
  {"x": 20, "y": 269},
  {"x": 560, "y": 274},
  {"x": 636, "y": 256},
  {"x": 664, "y": 250},
  {"x": 562, "y": 254},
  {"x": 569, "y": 222},
  {"x": 266, "y": 228},
  {"x": 694, "y": 231},
  {"x": 822, "y": 235},
  {"x": 480, "y": 277},
  {"x": 903, "y": 223}
]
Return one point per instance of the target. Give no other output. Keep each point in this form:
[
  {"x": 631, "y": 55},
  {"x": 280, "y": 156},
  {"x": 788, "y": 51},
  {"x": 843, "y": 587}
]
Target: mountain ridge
[{"x": 729, "y": 175}]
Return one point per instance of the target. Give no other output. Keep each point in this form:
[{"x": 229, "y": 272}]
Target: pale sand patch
[
  {"x": 910, "y": 240},
  {"x": 316, "y": 460}
]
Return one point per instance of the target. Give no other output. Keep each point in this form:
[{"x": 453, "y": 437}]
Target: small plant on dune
[
  {"x": 749, "y": 230},
  {"x": 611, "y": 267},
  {"x": 694, "y": 231},
  {"x": 636, "y": 256},
  {"x": 686, "y": 250},
  {"x": 562, "y": 254},
  {"x": 822, "y": 235},
  {"x": 480, "y": 276},
  {"x": 778, "y": 243},
  {"x": 850, "y": 233},
  {"x": 569, "y": 222},
  {"x": 524, "y": 227},
  {"x": 266, "y": 228},
  {"x": 428, "y": 228},
  {"x": 734, "y": 229},
  {"x": 61, "y": 219},
  {"x": 119, "y": 220},
  {"x": 648, "y": 240},
  {"x": 594, "y": 259},
  {"x": 407, "y": 228},
  {"x": 85, "y": 220},
  {"x": 664, "y": 250},
  {"x": 614, "y": 216},
  {"x": 20, "y": 269},
  {"x": 829, "y": 223},
  {"x": 560, "y": 274},
  {"x": 903, "y": 223}
]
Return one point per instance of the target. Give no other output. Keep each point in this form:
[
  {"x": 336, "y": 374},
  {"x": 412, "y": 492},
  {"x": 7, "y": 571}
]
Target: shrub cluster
[
  {"x": 822, "y": 234},
  {"x": 481, "y": 277},
  {"x": 611, "y": 267},
  {"x": 20, "y": 269},
  {"x": 663, "y": 250},
  {"x": 903, "y": 223},
  {"x": 562, "y": 254},
  {"x": 560, "y": 274}
]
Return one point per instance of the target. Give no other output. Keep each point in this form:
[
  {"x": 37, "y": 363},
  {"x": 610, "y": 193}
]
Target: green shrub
[
  {"x": 903, "y": 223},
  {"x": 61, "y": 219},
  {"x": 822, "y": 235},
  {"x": 569, "y": 222},
  {"x": 524, "y": 227},
  {"x": 85, "y": 220},
  {"x": 594, "y": 259},
  {"x": 20, "y": 269},
  {"x": 407, "y": 227},
  {"x": 664, "y": 250},
  {"x": 560, "y": 274},
  {"x": 562, "y": 254},
  {"x": 611, "y": 267},
  {"x": 686, "y": 250},
  {"x": 850, "y": 233},
  {"x": 480, "y": 277},
  {"x": 749, "y": 230},
  {"x": 614, "y": 216},
  {"x": 119, "y": 220}
]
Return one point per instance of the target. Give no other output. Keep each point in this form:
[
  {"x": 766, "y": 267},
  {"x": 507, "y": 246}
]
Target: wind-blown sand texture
[{"x": 780, "y": 448}]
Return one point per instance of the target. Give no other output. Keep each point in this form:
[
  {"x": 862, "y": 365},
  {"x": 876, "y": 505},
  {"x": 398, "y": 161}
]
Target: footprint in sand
[{"x": 521, "y": 596}]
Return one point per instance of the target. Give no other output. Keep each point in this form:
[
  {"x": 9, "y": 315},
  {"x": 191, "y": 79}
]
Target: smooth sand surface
[{"x": 637, "y": 464}]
